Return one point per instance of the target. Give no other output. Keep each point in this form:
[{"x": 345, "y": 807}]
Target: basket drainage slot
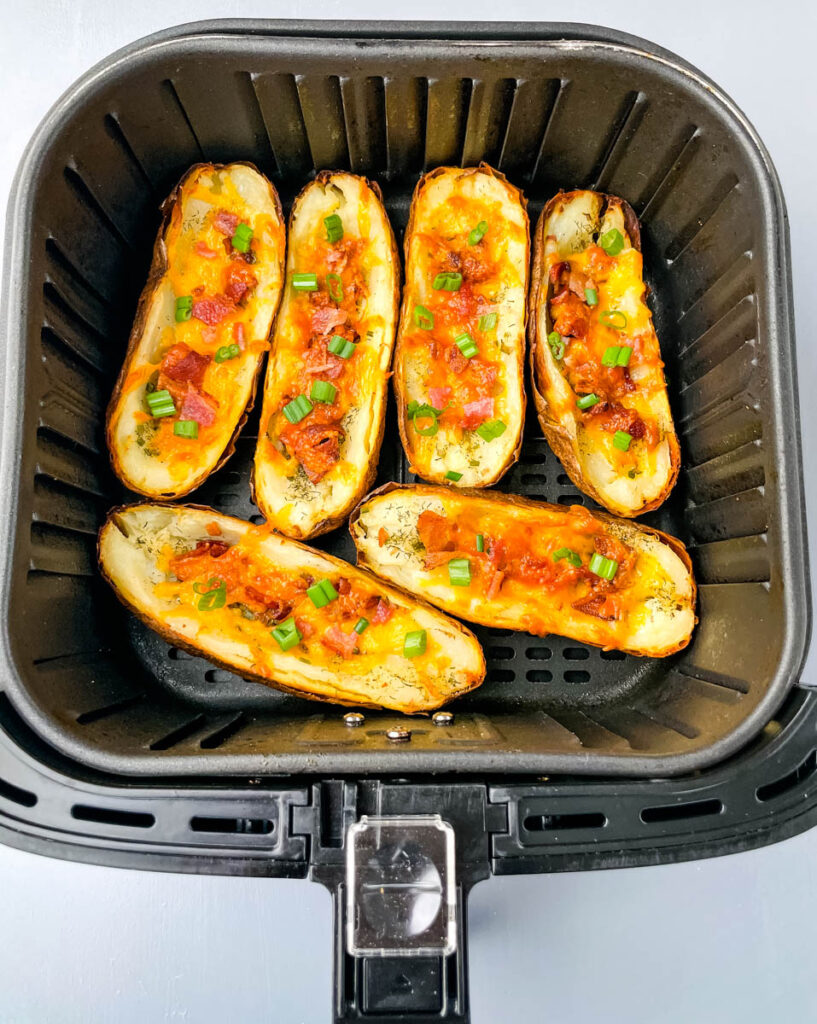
[
  {"x": 243, "y": 826},
  {"x": 559, "y": 822},
  {"x": 780, "y": 786},
  {"x": 17, "y": 795},
  {"x": 111, "y": 816},
  {"x": 677, "y": 812}
]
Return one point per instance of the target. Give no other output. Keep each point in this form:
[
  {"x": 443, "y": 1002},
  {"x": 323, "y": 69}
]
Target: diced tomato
[
  {"x": 198, "y": 406},
  {"x": 477, "y": 412},
  {"x": 439, "y": 397},
  {"x": 383, "y": 612},
  {"x": 225, "y": 222},
  {"x": 341, "y": 643},
  {"x": 212, "y": 311}
]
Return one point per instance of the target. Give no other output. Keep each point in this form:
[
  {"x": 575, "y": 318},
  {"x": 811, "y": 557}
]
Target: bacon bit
[
  {"x": 188, "y": 565},
  {"x": 477, "y": 412},
  {"x": 435, "y": 558},
  {"x": 205, "y": 251},
  {"x": 327, "y": 318},
  {"x": 225, "y": 222},
  {"x": 344, "y": 586},
  {"x": 319, "y": 360},
  {"x": 341, "y": 643},
  {"x": 598, "y": 262},
  {"x": 198, "y": 406},
  {"x": 570, "y": 316},
  {"x": 456, "y": 360},
  {"x": 496, "y": 582},
  {"x": 304, "y": 627},
  {"x": 238, "y": 280},
  {"x": 475, "y": 266},
  {"x": 435, "y": 531},
  {"x": 383, "y": 612},
  {"x": 316, "y": 447},
  {"x": 213, "y": 529},
  {"x": 557, "y": 270},
  {"x": 439, "y": 396},
  {"x": 183, "y": 365},
  {"x": 382, "y": 536},
  {"x": 240, "y": 335},
  {"x": 603, "y": 606},
  {"x": 577, "y": 282},
  {"x": 212, "y": 311},
  {"x": 615, "y": 417}
]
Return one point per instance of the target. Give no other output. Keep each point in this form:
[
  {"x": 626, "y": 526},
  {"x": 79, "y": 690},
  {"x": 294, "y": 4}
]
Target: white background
[{"x": 729, "y": 940}]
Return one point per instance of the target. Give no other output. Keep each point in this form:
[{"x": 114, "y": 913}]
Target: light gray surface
[{"x": 721, "y": 941}]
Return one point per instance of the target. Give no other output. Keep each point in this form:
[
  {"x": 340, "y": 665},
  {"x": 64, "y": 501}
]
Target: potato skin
[
  {"x": 496, "y": 473},
  {"x": 172, "y": 636},
  {"x": 158, "y": 267},
  {"x": 562, "y": 436},
  {"x": 340, "y": 514},
  {"x": 503, "y": 502}
]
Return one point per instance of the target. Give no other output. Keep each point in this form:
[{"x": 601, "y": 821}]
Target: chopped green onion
[
  {"x": 491, "y": 429},
  {"x": 453, "y": 475},
  {"x": 466, "y": 344},
  {"x": 447, "y": 281},
  {"x": 160, "y": 403},
  {"x": 227, "y": 352},
  {"x": 480, "y": 542},
  {"x": 488, "y": 321},
  {"x": 624, "y": 354},
  {"x": 415, "y": 643},
  {"x": 334, "y": 227},
  {"x": 321, "y": 593},
  {"x": 604, "y": 567},
  {"x": 423, "y": 318},
  {"x": 341, "y": 347},
  {"x": 286, "y": 634},
  {"x": 613, "y": 318},
  {"x": 621, "y": 440},
  {"x": 459, "y": 572},
  {"x": 360, "y": 625},
  {"x": 214, "y": 594},
  {"x": 242, "y": 238},
  {"x": 587, "y": 401},
  {"x": 305, "y": 282},
  {"x": 186, "y": 428},
  {"x": 557, "y": 345},
  {"x": 478, "y": 233},
  {"x": 297, "y": 409},
  {"x": 416, "y": 411},
  {"x": 591, "y": 296},
  {"x": 184, "y": 308},
  {"x": 334, "y": 286},
  {"x": 323, "y": 391},
  {"x": 612, "y": 242},
  {"x": 610, "y": 356},
  {"x": 572, "y": 556}
]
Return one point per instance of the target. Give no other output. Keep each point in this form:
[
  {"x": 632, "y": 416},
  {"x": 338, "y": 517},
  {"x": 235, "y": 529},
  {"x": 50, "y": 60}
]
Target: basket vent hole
[
  {"x": 533, "y": 480},
  {"x": 538, "y": 653},
  {"x": 678, "y": 812},
  {"x": 780, "y": 786},
  {"x": 564, "y": 480},
  {"x": 233, "y": 826},
  {"x": 613, "y": 655},
  {"x": 501, "y": 675},
  {"x": 112, "y": 816},
  {"x": 560, "y": 822},
  {"x": 177, "y": 654},
  {"x": 576, "y": 653},
  {"x": 577, "y": 675},
  {"x": 539, "y": 675},
  {"x": 500, "y": 653},
  {"x": 17, "y": 795},
  {"x": 571, "y": 499}
]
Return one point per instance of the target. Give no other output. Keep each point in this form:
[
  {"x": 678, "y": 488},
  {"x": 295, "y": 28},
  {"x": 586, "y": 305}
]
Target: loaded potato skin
[
  {"x": 598, "y": 379},
  {"x": 200, "y": 332}
]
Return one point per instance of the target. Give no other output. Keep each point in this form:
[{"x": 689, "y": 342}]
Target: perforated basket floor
[{"x": 103, "y": 689}]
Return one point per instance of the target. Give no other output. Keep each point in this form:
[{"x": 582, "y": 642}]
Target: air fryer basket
[{"x": 550, "y": 112}]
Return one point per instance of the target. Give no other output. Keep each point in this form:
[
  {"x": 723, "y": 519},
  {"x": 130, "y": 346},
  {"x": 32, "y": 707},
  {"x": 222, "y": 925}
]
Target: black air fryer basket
[{"x": 116, "y": 748}]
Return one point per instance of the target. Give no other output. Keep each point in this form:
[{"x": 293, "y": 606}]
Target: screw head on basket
[
  {"x": 442, "y": 718},
  {"x": 398, "y": 735},
  {"x": 353, "y": 719}
]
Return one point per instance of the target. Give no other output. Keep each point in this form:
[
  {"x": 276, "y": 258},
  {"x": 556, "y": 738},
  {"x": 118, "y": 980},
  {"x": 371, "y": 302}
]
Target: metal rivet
[
  {"x": 353, "y": 719},
  {"x": 442, "y": 718},
  {"x": 399, "y": 735}
]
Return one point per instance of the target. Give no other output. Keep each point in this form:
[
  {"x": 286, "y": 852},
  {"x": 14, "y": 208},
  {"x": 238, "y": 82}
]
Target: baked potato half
[
  {"x": 505, "y": 561},
  {"x": 201, "y": 330},
  {"x": 279, "y": 613},
  {"x": 459, "y": 366},
  {"x": 598, "y": 378},
  {"x": 325, "y": 392}
]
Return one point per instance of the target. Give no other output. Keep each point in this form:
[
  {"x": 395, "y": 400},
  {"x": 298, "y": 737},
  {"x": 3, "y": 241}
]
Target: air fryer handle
[{"x": 416, "y": 989}]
